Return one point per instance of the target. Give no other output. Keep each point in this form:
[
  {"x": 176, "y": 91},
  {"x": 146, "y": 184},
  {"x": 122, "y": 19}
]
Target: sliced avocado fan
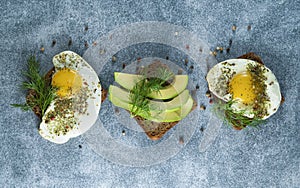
[
  {"x": 128, "y": 81},
  {"x": 154, "y": 105},
  {"x": 155, "y": 115}
]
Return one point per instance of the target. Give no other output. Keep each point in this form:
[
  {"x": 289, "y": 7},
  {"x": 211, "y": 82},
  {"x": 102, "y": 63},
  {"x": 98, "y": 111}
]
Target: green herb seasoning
[
  {"x": 259, "y": 81},
  {"x": 61, "y": 119},
  {"x": 152, "y": 82},
  {"x": 236, "y": 118},
  {"x": 41, "y": 94}
]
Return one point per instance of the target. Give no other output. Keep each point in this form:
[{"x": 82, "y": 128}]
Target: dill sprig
[
  {"x": 235, "y": 118},
  {"x": 40, "y": 92},
  {"x": 149, "y": 84}
]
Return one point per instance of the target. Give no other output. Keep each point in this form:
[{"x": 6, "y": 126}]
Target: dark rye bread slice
[{"x": 252, "y": 56}]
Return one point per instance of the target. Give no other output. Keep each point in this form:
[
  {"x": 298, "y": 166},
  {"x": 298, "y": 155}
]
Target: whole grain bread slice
[{"x": 252, "y": 56}]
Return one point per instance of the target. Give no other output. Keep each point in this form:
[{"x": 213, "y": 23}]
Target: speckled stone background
[{"x": 265, "y": 157}]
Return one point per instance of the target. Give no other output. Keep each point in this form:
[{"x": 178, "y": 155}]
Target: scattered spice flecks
[
  {"x": 208, "y": 94},
  {"x": 202, "y": 107},
  {"x": 113, "y": 58},
  {"x": 53, "y": 43},
  {"x": 61, "y": 119},
  {"x": 249, "y": 27},
  {"x": 220, "y": 49},
  {"x": 86, "y": 44},
  {"x": 213, "y": 53},
  {"x": 187, "y": 47},
  {"x": 70, "y": 42},
  {"x": 181, "y": 140},
  {"x": 139, "y": 59},
  {"x": 233, "y": 28},
  {"x": 257, "y": 72},
  {"x": 228, "y": 50},
  {"x": 186, "y": 61}
]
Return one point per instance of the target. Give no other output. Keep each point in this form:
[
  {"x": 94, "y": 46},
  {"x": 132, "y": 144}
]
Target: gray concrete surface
[{"x": 265, "y": 157}]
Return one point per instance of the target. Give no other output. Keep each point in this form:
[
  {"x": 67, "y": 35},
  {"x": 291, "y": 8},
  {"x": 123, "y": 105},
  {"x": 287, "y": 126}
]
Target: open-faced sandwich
[
  {"x": 67, "y": 99},
  {"x": 156, "y": 97},
  {"x": 247, "y": 90}
]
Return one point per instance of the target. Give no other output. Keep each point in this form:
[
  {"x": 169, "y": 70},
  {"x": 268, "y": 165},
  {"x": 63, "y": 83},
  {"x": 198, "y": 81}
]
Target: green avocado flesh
[
  {"x": 179, "y": 84},
  {"x": 176, "y": 114},
  {"x": 154, "y": 105}
]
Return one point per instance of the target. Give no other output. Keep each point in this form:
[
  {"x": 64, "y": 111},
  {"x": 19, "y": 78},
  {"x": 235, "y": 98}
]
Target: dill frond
[
  {"x": 138, "y": 94},
  {"x": 232, "y": 117},
  {"x": 44, "y": 93}
]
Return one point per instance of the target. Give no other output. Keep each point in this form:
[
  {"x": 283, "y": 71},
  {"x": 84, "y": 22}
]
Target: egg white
[
  {"x": 217, "y": 83},
  {"x": 71, "y": 60}
]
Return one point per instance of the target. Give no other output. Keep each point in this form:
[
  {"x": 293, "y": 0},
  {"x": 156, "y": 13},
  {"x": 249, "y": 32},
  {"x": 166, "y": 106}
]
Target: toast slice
[{"x": 252, "y": 56}]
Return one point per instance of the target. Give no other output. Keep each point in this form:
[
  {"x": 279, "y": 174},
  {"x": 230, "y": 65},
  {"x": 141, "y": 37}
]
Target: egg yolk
[
  {"x": 241, "y": 87},
  {"x": 67, "y": 81}
]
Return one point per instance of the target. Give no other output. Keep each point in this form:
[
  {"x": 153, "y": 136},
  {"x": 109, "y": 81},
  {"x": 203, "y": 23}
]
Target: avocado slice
[
  {"x": 179, "y": 84},
  {"x": 186, "y": 108},
  {"x": 172, "y": 105},
  {"x": 158, "y": 116},
  {"x": 127, "y": 81}
]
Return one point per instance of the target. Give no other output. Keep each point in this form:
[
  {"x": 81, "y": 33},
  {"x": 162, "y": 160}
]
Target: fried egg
[
  {"x": 78, "y": 101},
  {"x": 252, "y": 85}
]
